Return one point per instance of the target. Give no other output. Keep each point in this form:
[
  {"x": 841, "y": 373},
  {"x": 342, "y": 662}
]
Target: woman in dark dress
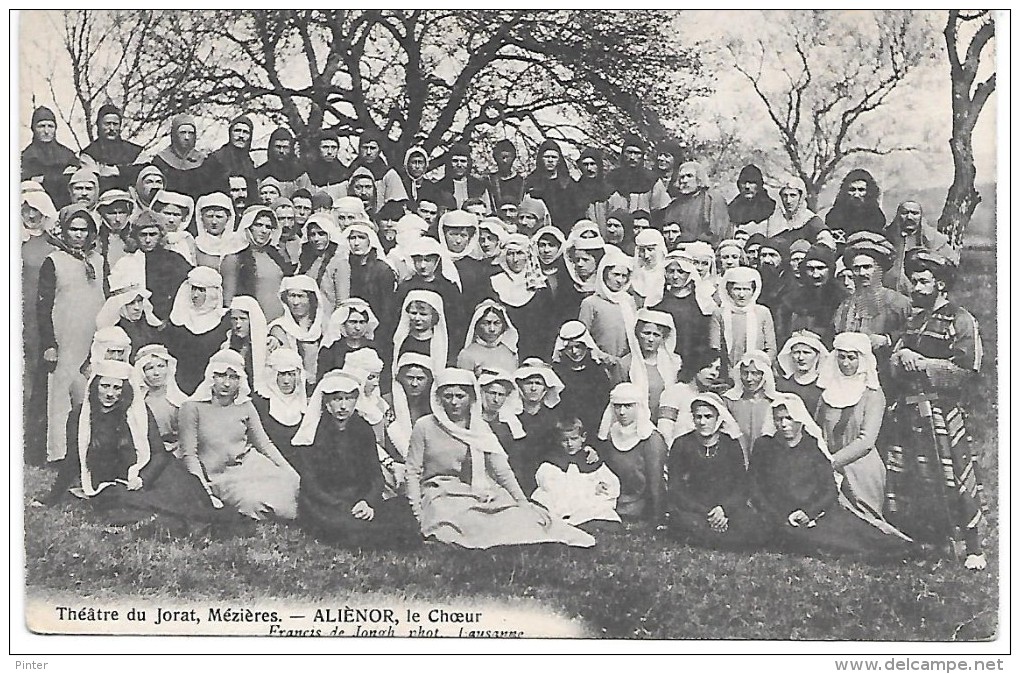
[
  {"x": 129, "y": 308},
  {"x": 577, "y": 361},
  {"x": 281, "y": 401},
  {"x": 351, "y": 327},
  {"x": 795, "y": 491},
  {"x": 340, "y": 499},
  {"x": 199, "y": 325},
  {"x": 708, "y": 489},
  {"x": 798, "y": 364}
]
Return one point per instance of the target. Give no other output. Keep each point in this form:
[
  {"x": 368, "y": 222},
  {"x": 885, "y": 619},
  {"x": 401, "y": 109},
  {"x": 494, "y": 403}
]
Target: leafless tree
[
  {"x": 968, "y": 101},
  {"x": 821, "y": 76}
]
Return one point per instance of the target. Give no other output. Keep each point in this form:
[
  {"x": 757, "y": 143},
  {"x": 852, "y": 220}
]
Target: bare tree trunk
[{"x": 962, "y": 198}]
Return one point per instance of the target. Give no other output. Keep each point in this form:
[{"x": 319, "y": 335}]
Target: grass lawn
[{"x": 633, "y": 584}]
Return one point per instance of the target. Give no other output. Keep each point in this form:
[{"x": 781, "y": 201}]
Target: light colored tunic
[
  {"x": 851, "y": 434},
  {"x": 220, "y": 440},
  {"x": 268, "y": 277},
  {"x": 576, "y": 497},
  {"x": 451, "y": 511},
  {"x": 605, "y": 322},
  {"x": 498, "y": 357}
]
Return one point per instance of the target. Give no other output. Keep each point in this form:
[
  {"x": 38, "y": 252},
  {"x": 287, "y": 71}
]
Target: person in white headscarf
[
  {"x": 850, "y": 412},
  {"x": 611, "y": 313},
  {"x": 688, "y": 299},
  {"x": 741, "y": 324},
  {"x": 178, "y": 210},
  {"x": 223, "y": 443},
  {"x": 110, "y": 343},
  {"x": 341, "y": 480},
  {"x": 300, "y": 327},
  {"x": 373, "y": 278},
  {"x": 655, "y": 364},
  {"x": 573, "y": 482},
  {"x": 729, "y": 254},
  {"x": 156, "y": 374},
  {"x": 636, "y": 453},
  {"x": 249, "y": 336},
  {"x": 282, "y": 398},
  {"x": 708, "y": 485},
  {"x": 549, "y": 244},
  {"x": 217, "y": 236},
  {"x": 408, "y": 398},
  {"x": 497, "y": 388},
  {"x": 797, "y": 494},
  {"x": 520, "y": 287},
  {"x": 703, "y": 256},
  {"x": 422, "y": 329},
  {"x": 199, "y": 324},
  {"x": 434, "y": 270},
  {"x": 750, "y": 399},
  {"x": 459, "y": 483},
  {"x": 259, "y": 269},
  {"x": 492, "y": 340},
  {"x": 459, "y": 233},
  {"x": 583, "y": 255},
  {"x": 577, "y": 361},
  {"x": 792, "y": 219},
  {"x": 492, "y": 232},
  {"x": 351, "y": 327},
  {"x": 799, "y": 363},
  {"x": 129, "y": 308},
  {"x": 649, "y": 279},
  {"x": 533, "y": 402},
  {"x": 324, "y": 257}
]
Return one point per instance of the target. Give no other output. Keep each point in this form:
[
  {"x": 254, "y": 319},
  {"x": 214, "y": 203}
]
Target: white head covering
[
  {"x": 510, "y": 336},
  {"x": 725, "y": 424},
  {"x": 478, "y": 436},
  {"x": 224, "y": 360},
  {"x": 33, "y": 195},
  {"x": 137, "y": 422},
  {"x": 439, "y": 346},
  {"x": 760, "y": 360},
  {"x": 168, "y": 198},
  {"x": 577, "y": 242},
  {"x": 112, "y": 337},
  {"x": 505, "y": 413},
  {"x": 146, "y": 355},
  {"x": 649, "y": 282},
  {"x": 313, "y": 332},
  {"x": 785, "y": 358},
  {"x": 553, "y": 232},
  {"x": 227, "y": 243},
  {"x": 285, "y": 408},
  {"x": 839, "y": 390},
  {"x": 399, "y": 429},
  {"x": 667, "y": 362},
  {"x": 778, "y": 222},
  {"x": 621, "y": 298},
  {"x": 335, "y": 326},
  {"x": 498, "y": 228},
  {"x": 795, "y": 406},
  {"x": 334, "y": 381},
  {"x": 626, "y": 438},
  {"x": 740, "y": 275},
  {"x": 199, "y": 320},
  {"x": 364, "y": 227},
  {"x": 535, "y": 367},
  {"x": 425, "y": 245},
  {"x": 576, "y": 331},
  {"x": 461, "y": 218},
  {"x": 351, "y": 205},
  {"x": 258, "y": 334},
  {"x": 362, "y": 363},
  {"x": 515, "y": 289},
  {"x": 248, "y": 219},
  {"x": 703, "y": 289},
  {"x": 700, "y": 250},
  {"x": 328, "y": 224},
  {"x": 123, "y": 291}
]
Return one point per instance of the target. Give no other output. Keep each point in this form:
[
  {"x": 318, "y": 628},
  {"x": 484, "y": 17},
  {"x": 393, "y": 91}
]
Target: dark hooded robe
[
  {"x": 849, "y": 215},
  {"x": 471, "y": 187},
  {"x": 48, "y": 161},
  {"x": 324, "y": 173},
  {"x": 187, "y": 171},
  {"x": 592, "y": 194},
  {"x": 118, "y": 153},
  {"x": 236, "y": 161},
  {"x": 557, "y": 192},
  {"x": 505, "y": 189},
  {"x": 756, "y": 209},
  {"x": 636, "y": 188}
]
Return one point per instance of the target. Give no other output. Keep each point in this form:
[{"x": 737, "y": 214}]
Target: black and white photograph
[{"x": 631, "y": 327}]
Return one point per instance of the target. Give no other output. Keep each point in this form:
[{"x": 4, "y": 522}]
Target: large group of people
[{"x": 387, "y": 355}]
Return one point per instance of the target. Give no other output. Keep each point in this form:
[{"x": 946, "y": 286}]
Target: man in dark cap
[
  {"x": 813, "y": 300},
  {"x": 634, "y": 186},
  {"x": 457, "y": 182},
  {"x": 934, "y": 481},
  {"x": 283, "y": 164},
  {"x": 113, "y": 155},
  {"x": 753, "y": 204},
  {"x": 234, "y": 158},
  {"x": 505, "y": 184},
  {"x": 45, "y": 160},
  {"x": 325, "y": 169},
  {"x": 877, "y": 311}
]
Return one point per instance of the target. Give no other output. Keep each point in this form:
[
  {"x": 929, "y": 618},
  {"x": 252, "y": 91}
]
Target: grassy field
[{"x": 632, "y": 585}]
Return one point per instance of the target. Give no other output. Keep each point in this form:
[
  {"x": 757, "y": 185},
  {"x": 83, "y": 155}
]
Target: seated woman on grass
[
  {"x": 459, "y": 483},
  {"x": 708, "y": 483},
  {"x": 341, "y": 480}
]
